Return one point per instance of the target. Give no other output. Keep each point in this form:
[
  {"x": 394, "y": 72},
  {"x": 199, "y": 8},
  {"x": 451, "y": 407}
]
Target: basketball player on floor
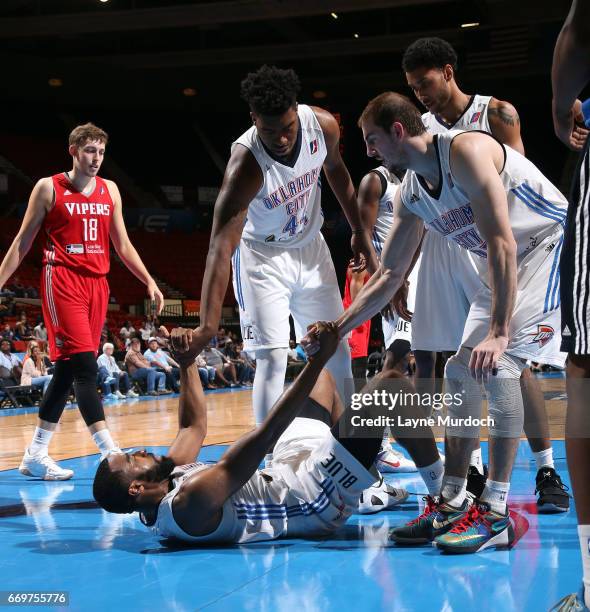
[
  {"x": 470, "y": 188},
  {"x": 319, "y": 471},
  {"x": 267, "y": 221},
  {"x": 77, "y": 212},
  {"x": 430, "y": 65},
  {"x": 571, "y": 73}
]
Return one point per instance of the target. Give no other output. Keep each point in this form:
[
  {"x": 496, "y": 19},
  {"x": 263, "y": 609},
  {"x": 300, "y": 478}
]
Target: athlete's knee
[
  {"x": 505, "y": 405},
  {"x": 84, "y": 367}
]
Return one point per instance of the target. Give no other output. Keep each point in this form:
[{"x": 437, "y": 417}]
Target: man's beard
[{"x": 160, "y": 471}]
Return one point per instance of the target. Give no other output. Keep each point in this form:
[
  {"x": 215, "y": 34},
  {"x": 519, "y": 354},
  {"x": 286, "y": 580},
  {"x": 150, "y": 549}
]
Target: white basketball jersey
[
  {"x": 536, "y": 207},
  {"x": 287, "y": 209},
  {"x": 385, "y": 212},
  {"x": 474, "y": 117},
  {"x": 259, "y": 510}
]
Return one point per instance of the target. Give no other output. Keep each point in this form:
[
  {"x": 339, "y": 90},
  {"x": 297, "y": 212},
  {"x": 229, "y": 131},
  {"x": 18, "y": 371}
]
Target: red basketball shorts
[{"x": 74, "y": 310}]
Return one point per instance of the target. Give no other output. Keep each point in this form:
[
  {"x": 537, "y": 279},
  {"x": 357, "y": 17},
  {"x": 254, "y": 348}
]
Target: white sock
[
  {"x": 454, "y": 490},
  {"x": 496, "y": 495},
  {"x": 544, "y": 458},
  {"x": 476, "y": 460},
  {"x": 432, "y": 477},
  {"x": 584, "y": 535},
  {"x": 103, "y": 440},
  {"x": 40, "y": 442},
  {"x": 385, "y": 443}
]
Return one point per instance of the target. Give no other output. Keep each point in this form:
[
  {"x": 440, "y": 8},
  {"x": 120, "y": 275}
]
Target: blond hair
[{"x": 82, "y": 134}]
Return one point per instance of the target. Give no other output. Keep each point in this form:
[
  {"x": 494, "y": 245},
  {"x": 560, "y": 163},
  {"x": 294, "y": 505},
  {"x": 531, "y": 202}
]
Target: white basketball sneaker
[
  {"x": 43, "y": 466},
  {"x": 391, "y": 461},
  {"x": 381, "y": 496},
  {"x": 119, "y": 395}
]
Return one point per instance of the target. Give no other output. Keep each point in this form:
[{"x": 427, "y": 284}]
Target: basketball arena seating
[{"x": 178, "y": 259}]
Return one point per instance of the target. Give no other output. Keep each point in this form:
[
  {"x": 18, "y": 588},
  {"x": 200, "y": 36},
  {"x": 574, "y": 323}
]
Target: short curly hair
[
  {"x": 270, "y": 90},
  {"x": 111, "y": 490},
  {"x": 431, "y": 52}
]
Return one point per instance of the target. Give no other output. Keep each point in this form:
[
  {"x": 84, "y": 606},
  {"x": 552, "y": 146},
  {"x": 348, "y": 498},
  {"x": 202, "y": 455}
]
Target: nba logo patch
[
  {"x": 101, "y": 190},
  {"x": 74, "y": 249},
  {"x": 313, "y": 146},
  {"x": 543, "y": 335},
  {"x": 475, "y": 117}
]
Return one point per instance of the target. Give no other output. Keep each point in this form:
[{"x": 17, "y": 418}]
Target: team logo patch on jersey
[
  {"x": 313, "y": 146},
  {"x": 543, "y": 335},
  {"x": 475, "y": 117},
  {"x": 75, "y": 249},
  {"x": 414, "y": 198}
]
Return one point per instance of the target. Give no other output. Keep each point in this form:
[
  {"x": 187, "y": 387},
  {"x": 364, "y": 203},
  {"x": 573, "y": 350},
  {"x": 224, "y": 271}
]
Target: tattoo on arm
[{"x": 508, "y": 116}]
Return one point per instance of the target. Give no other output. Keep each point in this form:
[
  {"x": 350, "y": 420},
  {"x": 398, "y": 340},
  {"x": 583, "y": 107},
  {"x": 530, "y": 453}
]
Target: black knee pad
[{"x": 84, "y": 370}]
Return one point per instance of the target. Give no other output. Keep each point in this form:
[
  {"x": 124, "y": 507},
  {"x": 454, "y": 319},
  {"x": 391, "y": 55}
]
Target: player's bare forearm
[
  {"x": 376, "y": 293},
  {"x": 341, "y": 184},
  {"x": 502, "y": 271},
  {"x": 571, "y": 58},
  {"x": 192, "y": 417},
  {"x": 215, "y": 281}
]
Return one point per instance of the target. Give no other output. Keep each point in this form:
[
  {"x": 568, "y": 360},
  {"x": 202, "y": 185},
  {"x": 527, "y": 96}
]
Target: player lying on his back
[{"x": 318, "y": 475}]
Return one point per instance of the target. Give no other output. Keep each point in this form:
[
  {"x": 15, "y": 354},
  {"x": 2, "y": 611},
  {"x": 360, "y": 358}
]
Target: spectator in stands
[
  {"x": 139, "y": 369},
  {"x": 244, "y": 373},
  {"x": 17, "y": 288},
  {"x": 7, "y": 307},
  {"x": 295, "y": 363},
  {"x": 163, "y": 363},
  {"x": 292, "y": 354},
  {"x": 10, "y": 365},
  {"x": 23, "y": 329},
  {"x": 207, "y": 373},
  {"x": 126, "y": 332},
  {"x": 147, "y": 330},
  {"x": 40, "y": 331},
  {"x": 114, "y": 382},
  {"x": 226, "y": 372},
  {"x": 220, "y": 339},
  {"x": 32, "y": 292},
  {"x": 35, "y": 370},
  {"x": 7, "y": 333}
]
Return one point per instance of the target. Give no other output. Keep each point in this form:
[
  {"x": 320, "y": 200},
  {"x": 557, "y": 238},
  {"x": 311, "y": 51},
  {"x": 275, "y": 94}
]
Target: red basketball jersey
[
  {"x": 359, "y": 337},
  {"x": 77, "y": 228}
]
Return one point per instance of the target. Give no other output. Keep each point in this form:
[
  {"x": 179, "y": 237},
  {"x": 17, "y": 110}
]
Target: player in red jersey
[{"x": 77, "y": 211}]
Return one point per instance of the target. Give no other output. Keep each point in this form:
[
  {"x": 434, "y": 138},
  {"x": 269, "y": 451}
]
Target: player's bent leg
[
  {"x": 36, "y": 460},
  {"x": 487, "y": 523}
]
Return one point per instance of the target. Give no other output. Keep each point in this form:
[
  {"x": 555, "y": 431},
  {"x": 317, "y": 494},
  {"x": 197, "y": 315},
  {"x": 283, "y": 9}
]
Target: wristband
[{"x": 586, "y": 112}]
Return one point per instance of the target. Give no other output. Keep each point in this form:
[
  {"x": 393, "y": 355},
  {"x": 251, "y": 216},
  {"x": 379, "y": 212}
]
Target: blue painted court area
[{"x": 53, "y": 538}]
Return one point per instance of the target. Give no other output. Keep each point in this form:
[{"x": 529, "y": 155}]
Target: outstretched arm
[
  {"x": 400, "y": 246},
  {"x": 39, "y": 203},
  {"x": 569, "y": 75},
  {"x": 126, "y": 251},
  {"x": 192, "y": 407},
  {"x": 206, "y": 491}
]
